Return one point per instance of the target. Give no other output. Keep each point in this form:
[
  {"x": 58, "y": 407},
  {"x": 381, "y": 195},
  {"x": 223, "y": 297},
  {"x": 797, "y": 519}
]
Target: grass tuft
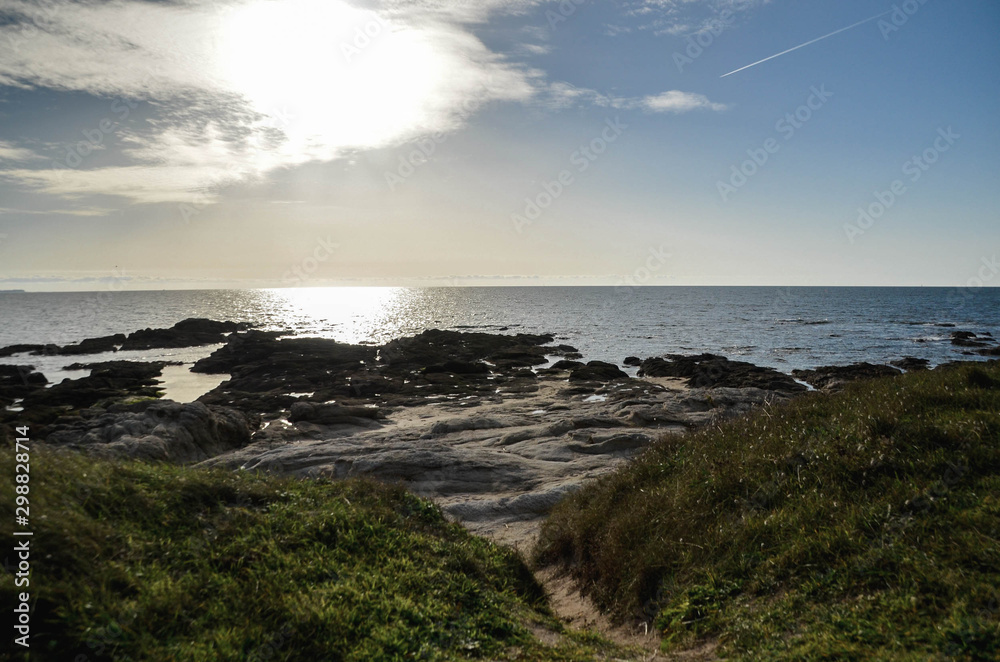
[
  {"x": 134, "y": 561},
  {"x": 860, "y": 525}
]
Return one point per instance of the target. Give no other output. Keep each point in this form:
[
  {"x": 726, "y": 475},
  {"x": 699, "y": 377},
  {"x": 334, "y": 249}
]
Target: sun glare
[
  {"x": 330, "y": 76},
  {"x": 349, "y": 314}
]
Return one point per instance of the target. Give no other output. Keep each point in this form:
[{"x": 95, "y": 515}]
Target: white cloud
[
  {"x": 241, "y": 88},
  {"x": 675, "y": 101},
  {"x": 245, "y": 87},
  {"x": 686, "y": 17},
  {"x": 82, "y": 211},
  {"x": 10, "y": 152},
  {"x": 534, "y": 49},
  {"x": 612, "y": 30},
  {"x": 461, "y": 11},
  {"x": 563, "y": 95}
]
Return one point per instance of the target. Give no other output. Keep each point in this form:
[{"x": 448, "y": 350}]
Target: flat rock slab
[{"x": 500, "y": 463}]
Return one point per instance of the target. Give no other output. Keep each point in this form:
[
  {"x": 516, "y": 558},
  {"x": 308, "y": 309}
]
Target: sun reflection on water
[{"x": 349, "y": 314}]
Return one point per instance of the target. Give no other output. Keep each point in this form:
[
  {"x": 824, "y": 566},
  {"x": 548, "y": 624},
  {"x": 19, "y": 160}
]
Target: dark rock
[
  {"x": 10, "y": 350},
  {"x": 910, "y": 364},
  {"x": 632, "y": 361},
  {"x": 17, "y": 381},
  {"x": 990, "y": 351},
  {"x": 240, "y": 349},
  {"x": 124, "y": 370},
  {"x": 712, "y": 371},
  {"x": 565, "y": 351},
  {"x": 20, "y": 376},
  {"x": 333, "y": 414},
  {"x": 95, "y": 345},
  {"x": 566, "y": 365},
  {"x": 162, "y": 430},
  {"x": 191, "y": 332},
  {"x": 108, "y": 382},
  {"x": 459, "y": 368},
  {"x": 434, "y": 347},
  {"x": 967, "y": 339},
  {"x": 519, "y": 357},
  {"x": 597, "y": 371},
  {"x": 834, "y": 377},
  {"x": 265, "y": 369},
  {"x": 203, "y": 325}
]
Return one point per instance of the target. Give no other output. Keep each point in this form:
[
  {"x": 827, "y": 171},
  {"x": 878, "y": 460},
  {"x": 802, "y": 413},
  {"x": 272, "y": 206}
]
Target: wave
[
  {"x": 941, "y": 325},
  {"x": 804, "y": 322}
]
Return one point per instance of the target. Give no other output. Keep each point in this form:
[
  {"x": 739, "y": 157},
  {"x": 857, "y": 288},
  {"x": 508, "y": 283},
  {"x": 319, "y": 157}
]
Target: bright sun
[{"x": 335, "y": 77}]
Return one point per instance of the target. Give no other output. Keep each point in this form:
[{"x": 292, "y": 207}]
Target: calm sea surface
[{"x": 784, "y": 328}]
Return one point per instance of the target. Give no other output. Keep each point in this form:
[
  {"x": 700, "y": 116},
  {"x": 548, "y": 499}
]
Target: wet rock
[
  {"x": 333, "y": 414},
  {"x": 17, "y": 381},
  {"x": 459, "y": 368},
  {"x": 143, "y": 371},
  {"x": 597, "y": 371},
  {"x": 911, "y": 364},
  {"x": 265, "y": 369},
  {"x": 110, "y": 381},
  {"x": 10, "y": 350},
  {"x": 834, "y": 377},
  {"x": 17, "y": 376},
  {"x": 519, "y": 357},
  {"x": 967, "y": 339},
  {"x": 712, "y": 371},
  {"x": 191, "y": 332},
  {"x": 434, "y": 347},
  {"x": 632, "y": 361},
  {"x": 95, "y": 345},
  {"x": 566, "y": 365},
  {"x": 562, "y": 349},
  {"x": 161, "y": 431},
  {"x": 240, "y": 349},
  {"x": 565, "y": 351}
]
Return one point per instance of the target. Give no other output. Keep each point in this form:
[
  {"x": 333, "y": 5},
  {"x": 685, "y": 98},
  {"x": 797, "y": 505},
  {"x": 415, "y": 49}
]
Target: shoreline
[{"x": 494, "y": 427}]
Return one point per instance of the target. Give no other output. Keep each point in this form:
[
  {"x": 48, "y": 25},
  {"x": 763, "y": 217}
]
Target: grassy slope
[
  {"x": 154, "y": 562},
  {"x": 864, "y": 525}
]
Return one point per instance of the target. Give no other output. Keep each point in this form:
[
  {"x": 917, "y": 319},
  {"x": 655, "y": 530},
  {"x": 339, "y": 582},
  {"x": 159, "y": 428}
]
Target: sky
[{"x": 162, "y": 144}]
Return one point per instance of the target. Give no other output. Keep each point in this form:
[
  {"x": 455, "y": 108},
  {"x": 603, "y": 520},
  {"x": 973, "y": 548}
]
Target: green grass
[
  {"x": 135, "y": 561},
  {"x": 858, "y": 526}
]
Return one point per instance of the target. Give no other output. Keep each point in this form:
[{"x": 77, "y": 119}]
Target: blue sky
[{"x": 315, "y": 142}]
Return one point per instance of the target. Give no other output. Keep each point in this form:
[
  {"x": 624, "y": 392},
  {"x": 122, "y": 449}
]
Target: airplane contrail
[{"x": 795, "y": 48}]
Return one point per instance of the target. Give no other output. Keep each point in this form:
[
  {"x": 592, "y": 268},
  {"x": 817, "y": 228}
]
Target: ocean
[{"x": 784, "y": 328}]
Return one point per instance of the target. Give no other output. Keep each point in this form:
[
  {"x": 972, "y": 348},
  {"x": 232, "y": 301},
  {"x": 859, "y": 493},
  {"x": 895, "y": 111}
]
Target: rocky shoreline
[{"x": 495, "y": 428}]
